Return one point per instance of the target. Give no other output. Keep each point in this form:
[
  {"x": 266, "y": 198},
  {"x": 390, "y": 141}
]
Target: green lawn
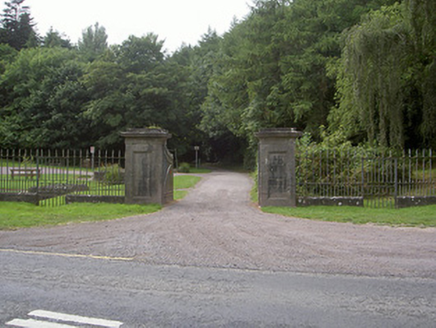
[
  {"x": 423, "y": 216},
  {"x": 182, "y": 183},
  {"x": 185, "y": 181},
  {"x": 23, "y": 183},
  {"x": 95, "y": 188},
  {"x": 22, "y": 215}
]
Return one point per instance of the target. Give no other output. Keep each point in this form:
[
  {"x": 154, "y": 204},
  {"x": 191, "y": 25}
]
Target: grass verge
[
  {"x": 185, "y": 181},
  {"x": 182, "y": 183},
  {"x": 424, "y": 216},
  {"x": 22, "y": 215}
]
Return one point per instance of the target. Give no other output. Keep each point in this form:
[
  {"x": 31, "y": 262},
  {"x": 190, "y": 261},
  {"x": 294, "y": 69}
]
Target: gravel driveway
[{"x": 216, "y": 225}]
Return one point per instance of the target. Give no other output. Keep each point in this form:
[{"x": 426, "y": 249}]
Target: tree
[
  {"x": 272, "y": 69},
  {"x": 93, "y": 42},
  {"x": 18, "y": 26},
  {"x": 7, "y": 55},
  {"x": 140, "y": 54},
  {"x": 374, "y": 59},
  {"x": 420, "y": 14},
  {"x": 43, "y": 100},
  {"x": 193, "y": 67},
  {"x": 386, "y": 77},
  {"x": 56, "y": 39},
  {"x": 132, "y": 86}
]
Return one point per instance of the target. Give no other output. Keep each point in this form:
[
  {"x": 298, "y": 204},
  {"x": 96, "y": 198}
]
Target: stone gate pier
[
  {"x": 276, "y": 171},
  {"x": 149, "y": 167}
]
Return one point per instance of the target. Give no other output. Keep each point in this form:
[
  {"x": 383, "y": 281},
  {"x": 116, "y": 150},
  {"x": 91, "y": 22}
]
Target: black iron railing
[{"x": 47, "y": 177}]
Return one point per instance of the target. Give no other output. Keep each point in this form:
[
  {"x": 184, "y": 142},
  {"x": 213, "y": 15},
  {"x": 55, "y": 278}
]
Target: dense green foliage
[
  {"x": 363, "y": 70},
  {"x": 387, "y": 77},
  {"x": 17, "y": 25}
]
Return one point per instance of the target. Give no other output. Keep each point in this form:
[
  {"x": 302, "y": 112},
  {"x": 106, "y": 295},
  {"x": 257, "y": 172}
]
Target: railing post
[
  {"x": 37, "y": 173},
  {"x": 363, "y": 180},
  {"x": 430, "y": 178},
  {"x": 396, "y": 182}
]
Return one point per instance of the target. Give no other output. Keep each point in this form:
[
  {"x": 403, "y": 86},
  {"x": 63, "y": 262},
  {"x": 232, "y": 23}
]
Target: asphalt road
[{"x": 141, "y": 295}]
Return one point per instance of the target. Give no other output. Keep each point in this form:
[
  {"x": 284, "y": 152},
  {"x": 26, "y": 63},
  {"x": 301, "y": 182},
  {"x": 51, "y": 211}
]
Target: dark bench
[{"x": 27, "y": 172}]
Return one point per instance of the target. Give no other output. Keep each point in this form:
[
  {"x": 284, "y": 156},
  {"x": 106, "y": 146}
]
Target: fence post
[
  {"x": 276, "y": 175},
  {"x": 396, "y": 183},
  {"x": 363, "y": 179},
  {"x": 37, "y": 174}
]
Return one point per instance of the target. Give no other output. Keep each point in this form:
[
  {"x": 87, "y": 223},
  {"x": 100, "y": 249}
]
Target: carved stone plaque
[{"x": 278, "y": 184}]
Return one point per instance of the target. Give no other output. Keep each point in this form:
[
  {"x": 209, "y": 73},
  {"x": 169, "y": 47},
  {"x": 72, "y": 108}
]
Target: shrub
[
  {"x": 335, "y": 167},
  {"x": 184, "y": 168},
  {"x": 113, "y": 174}
]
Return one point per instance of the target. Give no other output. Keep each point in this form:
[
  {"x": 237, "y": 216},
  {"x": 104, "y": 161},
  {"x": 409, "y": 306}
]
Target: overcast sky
[{"x": 175, "y": 21}]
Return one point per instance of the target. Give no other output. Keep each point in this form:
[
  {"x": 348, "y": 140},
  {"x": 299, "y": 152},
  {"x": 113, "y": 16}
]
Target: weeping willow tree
[
  {"x": 370, "y": 80},
  {"x": 386, "y": 77},
  {"x": 423, "y": 21}
]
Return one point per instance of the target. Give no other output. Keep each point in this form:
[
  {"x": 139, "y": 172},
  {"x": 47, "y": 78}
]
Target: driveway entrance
[{"x": 216, "y": 225}]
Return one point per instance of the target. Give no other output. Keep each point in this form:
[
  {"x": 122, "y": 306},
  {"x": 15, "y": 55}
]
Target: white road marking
[
  {"x": 61, "y": 317},
  {"x": 68, "y": 255},
  {"x": 30, "y": 323},
  {"x": 75, "y": 318}
]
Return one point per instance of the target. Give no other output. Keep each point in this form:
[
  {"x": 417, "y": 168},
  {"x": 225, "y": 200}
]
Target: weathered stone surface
[
  {"x": 58, "y": 189},
  {"x": 277, "y": 181},
  {"x": 409, "y": 201},
  {"x": 330, "y": 201},
  {"x": 94, "y": 199},
  {"x": 32, "y": 198},
  {"x": 149, "y": 167}
]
